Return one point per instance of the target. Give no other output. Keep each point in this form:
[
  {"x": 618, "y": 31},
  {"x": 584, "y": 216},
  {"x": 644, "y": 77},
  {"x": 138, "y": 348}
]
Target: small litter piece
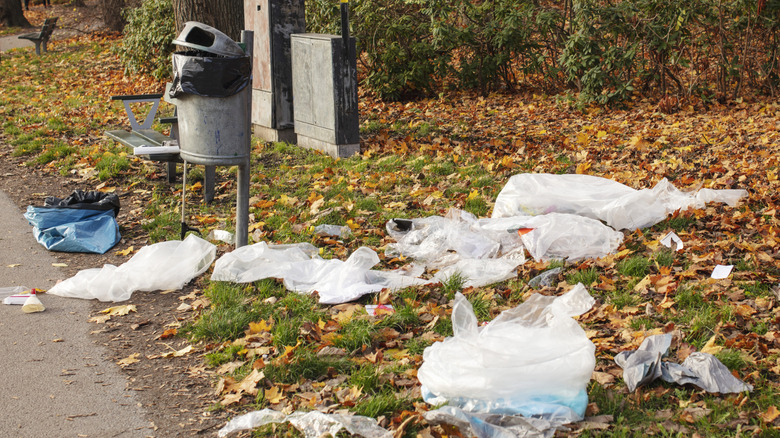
[
  {"x": 546, "y": 278},
  {"x": 722, "y": 271},
  {"x": 379, "y": 309},
  {"x": 341, "y": 231},
  {"x": 222, "y": 236},
  {"x": 32, "y": 304},
  {"x": 492, "y": 425},
  {"x": 704, "y": 370},
  {"x": 161, "y": 266},
  {"x": 14, "y": 294},
  {"x": 534, "y": 360},
  {"x": 620, "y": 206},
  {"x": 312, "y": 424},
  {"x": 304, "y": 271},
  {"x": 670, "y": 238}
]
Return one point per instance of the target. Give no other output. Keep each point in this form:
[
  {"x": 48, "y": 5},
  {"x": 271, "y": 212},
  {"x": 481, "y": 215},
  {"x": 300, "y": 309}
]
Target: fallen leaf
[
  {"x": 126, "y": 252},
  {"x": 273, "y": 395},
  {"x": 59, "y": 265},
  {"x": 14, "y": 265},
  {"x": 770, "y": 414},
  {"x": 179, "y": 353},
  {"x": 129, "y": 360}
]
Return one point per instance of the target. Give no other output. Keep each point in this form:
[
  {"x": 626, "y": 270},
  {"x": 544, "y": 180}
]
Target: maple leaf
[
  {"x": 274, "y": 395},
  {"x": 129, "y": 360}
]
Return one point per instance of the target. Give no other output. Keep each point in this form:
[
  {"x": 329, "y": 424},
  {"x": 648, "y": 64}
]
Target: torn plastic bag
[
  {"x": 704, "y": 370},
  {"x": 303, "y": 270},
  {"x": 161, "y": 266},
  {"x": 492, "y": 425},
  {"x": 533, "y": 360},
  {"x": 480, "y": 272},
  {"x": 618, "y": 205},
  {"x": 82, "y": 222},
  {"x": 205, "y": 74},
  {"x": 561, "y": 236},
  {"x": 313, "y": 424},
  {"x": 428, "y": 239}
]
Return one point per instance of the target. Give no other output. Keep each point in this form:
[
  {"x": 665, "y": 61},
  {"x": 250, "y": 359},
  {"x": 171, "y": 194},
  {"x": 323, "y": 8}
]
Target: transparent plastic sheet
[
  {"x": 312, "y": 424},
  {"x": 434, "y": 240},
  {"x": 704, "y": 370},
  {"x": 533, "y": 360},
  {"x": 618, "y": 205},
  {"x": 561, "y": 236},
  {"x": 304, "y": 271},
  {"x": 492, "y": 425},
  {"x": 161, "y": 266}
]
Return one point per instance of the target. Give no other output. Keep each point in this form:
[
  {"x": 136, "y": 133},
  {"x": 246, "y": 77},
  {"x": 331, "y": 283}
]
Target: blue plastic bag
[{"x": 82, "y": 222}]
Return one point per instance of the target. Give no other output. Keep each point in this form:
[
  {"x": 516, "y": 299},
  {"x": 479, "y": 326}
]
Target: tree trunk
[
  {"x": 111, "y": 10},
  {"x": 12, "y": 15},
  {"x": 226, "y": 16}
]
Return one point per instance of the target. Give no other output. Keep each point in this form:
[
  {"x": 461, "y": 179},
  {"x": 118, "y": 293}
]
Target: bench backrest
[{"x": 48, "y": 27}]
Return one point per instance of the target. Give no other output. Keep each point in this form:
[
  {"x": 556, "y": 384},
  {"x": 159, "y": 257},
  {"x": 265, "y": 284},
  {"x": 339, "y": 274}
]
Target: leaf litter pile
[{"x": 260, "y": 346}]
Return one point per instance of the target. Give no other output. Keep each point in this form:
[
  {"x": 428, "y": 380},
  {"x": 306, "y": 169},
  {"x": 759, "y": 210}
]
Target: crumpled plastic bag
[
  {"x": 492, "y": 425},
  {"x": 561, "y": 236},
  {"x": 704, "y": 370},
  {"x": 161, "y": 266},
  {"x": 618, "y": 205},
  {"x": 303, "y": 270},
  {"x": 312, "y": 424},
  {"x": 85, "y": 221},
  {"x": 533, "y": 360},
  {"x": 435, "y": 240}
]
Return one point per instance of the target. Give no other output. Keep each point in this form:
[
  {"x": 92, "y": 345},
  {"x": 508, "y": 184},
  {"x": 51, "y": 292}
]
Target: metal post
[{"x": 242, "y": 196}]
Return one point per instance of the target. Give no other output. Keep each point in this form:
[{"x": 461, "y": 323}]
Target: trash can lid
[{"x": 199, "y": 36}]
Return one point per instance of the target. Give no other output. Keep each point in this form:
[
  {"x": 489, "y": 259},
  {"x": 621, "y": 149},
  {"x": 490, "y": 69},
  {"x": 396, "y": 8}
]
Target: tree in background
[
  {"x": 12, "y": 15},
  {"x": 224, "y": 15},
  {"x": 112, "y": 14}
]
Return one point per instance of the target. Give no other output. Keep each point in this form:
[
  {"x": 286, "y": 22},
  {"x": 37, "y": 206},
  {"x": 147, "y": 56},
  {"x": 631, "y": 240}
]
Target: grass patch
[
  {"x": 636, "y": 266},
  {"x": 585, "y": 276}
]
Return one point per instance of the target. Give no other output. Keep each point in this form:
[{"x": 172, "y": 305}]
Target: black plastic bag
[
  {"x": 205, "y": 74},
  {"x": 92, "y": 200}
]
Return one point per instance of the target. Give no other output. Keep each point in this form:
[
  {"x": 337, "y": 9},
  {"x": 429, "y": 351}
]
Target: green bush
[{"x": 146, "y": 46}]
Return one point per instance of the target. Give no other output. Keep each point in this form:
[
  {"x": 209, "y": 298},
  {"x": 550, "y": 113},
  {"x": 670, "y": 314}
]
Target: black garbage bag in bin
[
  {"x": 205, "y": 74},
  {"x": 85, "y": 221}
]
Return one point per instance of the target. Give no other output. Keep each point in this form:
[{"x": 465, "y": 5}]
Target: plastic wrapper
[
  {"x": 492, "y": 425},
  {"x": 437, "y": 240},
  {"x": 82, "y": 222},
  {"x": 704, "y": 370},
  {"x": 620, "y": 206},
  {"x": 546, "y": 278},
  {"x": 205, "y": 74},
  {"x": 341, "y": 231},
  {"x": 533, "y": 360},
  {"x": 303, "y": 270},
  {"x": 312, "y": 424},
  {"x": 161, "y": 266}
]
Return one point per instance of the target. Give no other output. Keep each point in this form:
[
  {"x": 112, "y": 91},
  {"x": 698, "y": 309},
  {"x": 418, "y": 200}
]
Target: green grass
[
  {"x": 636, "y": 266},
  {"x": 585, "y": 276}
]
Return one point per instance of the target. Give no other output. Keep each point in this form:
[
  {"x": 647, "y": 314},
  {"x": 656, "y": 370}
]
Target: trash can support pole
[{"x": 242, "y": 195}]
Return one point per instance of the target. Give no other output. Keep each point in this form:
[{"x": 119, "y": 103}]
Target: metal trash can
[{"x": 211, "y": 90}]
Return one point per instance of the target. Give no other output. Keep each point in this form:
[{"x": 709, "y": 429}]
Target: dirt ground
[{"x": 177, "y": 392}]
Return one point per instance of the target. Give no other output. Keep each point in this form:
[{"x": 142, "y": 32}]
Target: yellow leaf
[
  {"x": 126, "y": 252},
  {"x": 129, "y": 360},
  {"x": 710, "y": 346},
  {"x": 179, "y": 353},
  {"x": 274, "y": 395},
  {"x": 59, "y": 265},
  {"x": 770, "y": 415},
  {"x": 582, "y": 168},
  {"x": 14, "y": 265},
  {"x": 474, "y": 194},
  {"x": 260, "y": 327},
  {"x": 120, "y": 310},
  {"x": 601, "y": 134}
]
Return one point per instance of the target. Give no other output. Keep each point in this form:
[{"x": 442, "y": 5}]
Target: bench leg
[
  {"x": 38, "y": 48},
  {"x": 208, "y": 186},
  {"x": 171, "y": 172}
]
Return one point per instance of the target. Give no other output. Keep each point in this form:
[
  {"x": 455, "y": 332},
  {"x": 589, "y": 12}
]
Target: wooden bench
[
  {"x": 41, "y": 38},
  {"x": 142, "y": 135}
]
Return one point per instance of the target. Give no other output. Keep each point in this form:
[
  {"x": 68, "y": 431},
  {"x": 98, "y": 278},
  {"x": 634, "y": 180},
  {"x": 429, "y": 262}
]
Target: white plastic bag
[
  {"x": 533, "y": 360},
  {"x": 161, "y": 266},
  {"x": 313, "y": 424},
  {"x": 618, "y": 205},
  {"x": 304, "y": 271}
]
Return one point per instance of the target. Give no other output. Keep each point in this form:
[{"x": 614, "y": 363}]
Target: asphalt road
[{"x": 54, "y": 381}]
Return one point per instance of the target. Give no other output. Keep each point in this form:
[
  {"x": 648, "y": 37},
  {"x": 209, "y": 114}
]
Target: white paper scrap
[
  {"x": 672, "y": 237},
  {"x": 721, "y": 271},
  {"x": 374, "y": 309}
]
